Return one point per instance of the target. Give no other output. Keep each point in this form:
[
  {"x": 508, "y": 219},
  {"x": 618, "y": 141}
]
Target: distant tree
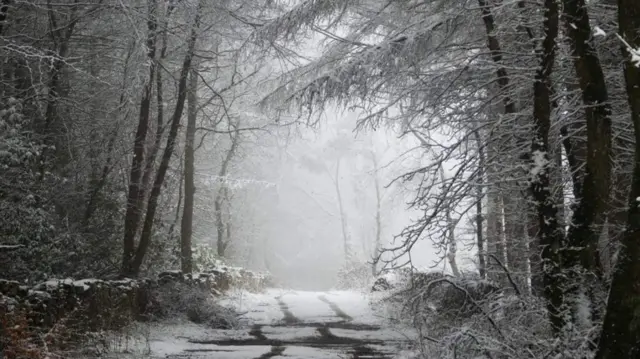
[{"x": 186, "y": 226}]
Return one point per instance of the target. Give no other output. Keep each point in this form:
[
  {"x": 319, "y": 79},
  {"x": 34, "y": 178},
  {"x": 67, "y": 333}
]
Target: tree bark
[
  {"x": 581, "y": 256},
  {"x": 145, "y": 237},
  {"x": 551, "y": 236},
  {"x": 593, "y": 201},
  {"x": 4, "y": 10},
  {"x": 186, "y": 227},
  {"x": 133, "y": 212},
  {"x": 620, "y": 336},
  {"x": 496, "y": 55}
]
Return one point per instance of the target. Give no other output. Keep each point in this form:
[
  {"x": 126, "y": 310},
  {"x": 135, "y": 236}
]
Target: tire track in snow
[
  {"x": 339, "y": 312},
  {"x": 274, "y": 352},
  {"x": 289, "y": 318},
  {"x": 256, "y": 332}
]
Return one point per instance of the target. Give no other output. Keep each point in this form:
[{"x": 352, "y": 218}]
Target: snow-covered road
[{"x": 287, "y": 324}]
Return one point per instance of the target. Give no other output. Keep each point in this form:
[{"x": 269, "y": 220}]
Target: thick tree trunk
[
  {"x": 147, "y": 229},
  {"x": 594, "y": 198},
  {"x": 496, "y": 55},
  {"x": 620, "y": 336},
  {"x": 581, "y": 256},
  {"x": 550, "y": 233},
  {"x": 186, "y": 227}
]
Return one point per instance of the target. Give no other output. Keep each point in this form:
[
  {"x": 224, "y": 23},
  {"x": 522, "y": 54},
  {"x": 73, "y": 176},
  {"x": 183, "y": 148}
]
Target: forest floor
[{"x": 286, "y": 324}]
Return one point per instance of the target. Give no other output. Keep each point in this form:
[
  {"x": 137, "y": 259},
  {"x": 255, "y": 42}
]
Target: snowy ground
[{"x": 285, "y": 324}]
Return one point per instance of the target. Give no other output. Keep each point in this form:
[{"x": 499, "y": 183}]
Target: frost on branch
[
  {"x": 300, "y": 18},
  {"x": 362, "y": 73}
]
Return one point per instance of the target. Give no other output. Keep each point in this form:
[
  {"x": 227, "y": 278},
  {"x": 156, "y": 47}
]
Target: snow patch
[
  {"x": 255, "y": 308},
  {"x": 539, "y": 163},
  {"x": 308, "y": 307},
  {"x": 355, "y": 305},
  {"x": 289, "y": 333},
  {"x": 85, "y": 284},
  {"x": 634, "y": 53}
]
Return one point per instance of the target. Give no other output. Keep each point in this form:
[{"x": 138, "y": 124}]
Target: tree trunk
[
  {"x": 452, "y": 245},
  {"x": 551, "y": 237},
  {"x": 535, "y": 253},
  {"x": 593, "y": 202},
  {"x": 378, "y": 243},
  {"x": 620, "y": 336},
  {"x": 222, "y": 196},
  {"x": 496, "y": 55},
  {"x": 133, "y": 212},
  {"x": 495, "y": 217},
  {"x": 186, "y": 227},
  {"x": 482, "y": 267},
  {"x": 221, "y": 244},
  {"x": 495, "y": 237},
  {"x": 150, "y": 160},
  {"x": 177, "y": 217},
  {"x": 4, "y": 9},
  {"x": 145, "y": 237},
  {"x": 343, "y": 215},
  {"x": 515, "y": 228}
]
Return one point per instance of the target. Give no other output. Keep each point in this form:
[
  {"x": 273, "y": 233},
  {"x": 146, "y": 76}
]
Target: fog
[{"x": 294, "y": 188}]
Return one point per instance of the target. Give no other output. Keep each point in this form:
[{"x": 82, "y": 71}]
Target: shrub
[
  {"x": 468, "y": 317},
  {"x": 178, "y": 299},
  {"x": 354, "y": 276}
]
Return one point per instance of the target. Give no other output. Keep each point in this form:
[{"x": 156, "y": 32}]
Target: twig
[{"x": 508, "y": 273}]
